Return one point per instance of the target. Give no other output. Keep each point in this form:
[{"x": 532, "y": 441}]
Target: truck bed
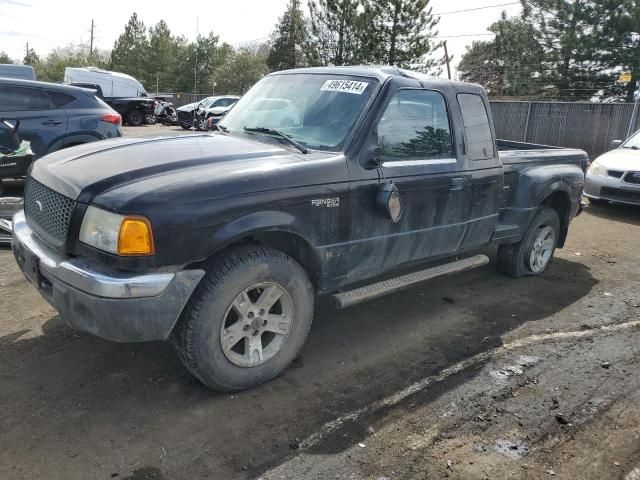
[{"x": 511, "y": 152}]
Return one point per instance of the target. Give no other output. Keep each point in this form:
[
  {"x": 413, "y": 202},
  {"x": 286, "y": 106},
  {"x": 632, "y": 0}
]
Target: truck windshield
[{"x": 317, "y": 111}]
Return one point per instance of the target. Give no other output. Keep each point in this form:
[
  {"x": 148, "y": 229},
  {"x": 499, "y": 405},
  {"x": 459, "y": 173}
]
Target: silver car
[{"x": 615, "y": 175}]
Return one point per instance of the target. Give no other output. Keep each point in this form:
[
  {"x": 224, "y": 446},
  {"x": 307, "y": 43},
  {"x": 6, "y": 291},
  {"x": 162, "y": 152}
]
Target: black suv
[{"x": 56, "y": 116}]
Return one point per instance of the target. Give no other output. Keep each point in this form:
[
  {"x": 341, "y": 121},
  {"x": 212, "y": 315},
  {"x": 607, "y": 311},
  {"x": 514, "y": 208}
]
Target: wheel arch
[
  {"x": 270, "y": 229},
  {"x": 560, "y": 201}
]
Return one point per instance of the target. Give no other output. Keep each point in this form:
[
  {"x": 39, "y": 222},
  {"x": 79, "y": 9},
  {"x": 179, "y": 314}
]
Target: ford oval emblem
[{"x": 39, "y": 205}]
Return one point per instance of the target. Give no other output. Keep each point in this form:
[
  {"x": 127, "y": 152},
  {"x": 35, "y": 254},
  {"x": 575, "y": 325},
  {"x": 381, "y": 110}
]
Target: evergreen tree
[
  {"x": 288, "y": 39},
  {"x": 402, "y": 34},
  {"x": 336, "y": 32},
  {"x": 481, "y": 64},
  {"x": 510, "y": 64},
  {"x": 4, "y": 58},
  {"x": 130, "y": 51},
  {"x": 162, "y": 59},
  {"x": 584, "y": 41},
  {"x": 31, "y": 58}
]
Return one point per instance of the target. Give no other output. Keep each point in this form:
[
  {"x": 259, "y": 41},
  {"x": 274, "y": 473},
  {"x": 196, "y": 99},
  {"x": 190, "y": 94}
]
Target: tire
[
  {"x": 516, "y": 259},
  {"x": 150, "y": 119},
  {"x": 202, "y": 124},
  {"x": 135, "y": 118},
  {"x": 212, "y": 313}
]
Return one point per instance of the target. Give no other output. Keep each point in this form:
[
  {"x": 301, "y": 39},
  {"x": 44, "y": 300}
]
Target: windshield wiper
[
  {"x": 632, "y": 147},
  {"x": 277, "y": 133}
]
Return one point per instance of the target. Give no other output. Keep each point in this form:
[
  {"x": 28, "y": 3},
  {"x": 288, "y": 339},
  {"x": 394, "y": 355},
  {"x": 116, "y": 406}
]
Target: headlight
[
  {"x": 597, "y": 169},
  {"x": 119, "y": 234}
]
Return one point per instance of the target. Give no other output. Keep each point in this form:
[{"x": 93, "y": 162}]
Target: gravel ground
[{"x": 474, "y": 376}]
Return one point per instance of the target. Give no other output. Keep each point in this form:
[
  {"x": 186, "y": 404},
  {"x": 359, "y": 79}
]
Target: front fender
[{"x": 254, "y": 222}]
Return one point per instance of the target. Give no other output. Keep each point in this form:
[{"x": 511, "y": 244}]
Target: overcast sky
[{"x": 47, "y": 24}]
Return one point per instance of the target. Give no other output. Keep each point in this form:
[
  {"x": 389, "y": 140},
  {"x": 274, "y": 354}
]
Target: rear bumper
[{"x": 111, "y": 304}]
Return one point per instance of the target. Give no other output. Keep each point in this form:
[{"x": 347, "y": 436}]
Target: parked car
[
  {"x": 24, "y": 72},
  {"x": 615, "y": 175},
  {"x": 56, "y": 116},
  {"x": 121, "y": 92},
  {"x": 15, "y": 154},
  {"x": 221, "y": 241},
  {"x": 197, "y": 114}
]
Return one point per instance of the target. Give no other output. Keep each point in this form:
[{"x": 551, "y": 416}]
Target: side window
[
  {"x": 20, "y": 99},
  {"x": 415, "y": 126},
  {"x": 476, "y": 126},
  {"x": 59, "y": 99}
]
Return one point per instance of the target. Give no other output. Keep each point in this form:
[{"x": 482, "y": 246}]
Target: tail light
[{"x": 114, "y": 118}]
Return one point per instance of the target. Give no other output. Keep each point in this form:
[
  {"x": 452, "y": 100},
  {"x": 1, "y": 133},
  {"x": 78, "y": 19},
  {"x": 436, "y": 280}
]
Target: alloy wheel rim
[
  {"x": 256, "y": 324},
  {"x": 542, "y": 249}
]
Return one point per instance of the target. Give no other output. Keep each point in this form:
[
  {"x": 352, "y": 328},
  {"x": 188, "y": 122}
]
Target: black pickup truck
[
  {"x": 134, "y": 110},
  {"x": 319, "y": 182}
]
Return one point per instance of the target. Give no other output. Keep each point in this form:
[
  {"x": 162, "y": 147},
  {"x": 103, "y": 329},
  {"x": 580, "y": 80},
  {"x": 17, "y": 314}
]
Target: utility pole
[
  {"x": 195, "y": 68},
  {"x": 26, "y": 56},
  {"x": 446, "y": 58},
  {"x": 91, "y": 41}
]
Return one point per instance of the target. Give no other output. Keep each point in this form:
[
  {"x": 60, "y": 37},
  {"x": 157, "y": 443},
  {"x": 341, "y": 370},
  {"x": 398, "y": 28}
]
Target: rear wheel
[
  {"x": 135, "y": 118},
  {"x": 532, "y": 254},
  {"x": 247, "y": 320}
]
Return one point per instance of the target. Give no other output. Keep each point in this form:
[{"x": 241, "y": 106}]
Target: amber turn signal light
[{"x": 136, "y": 237}]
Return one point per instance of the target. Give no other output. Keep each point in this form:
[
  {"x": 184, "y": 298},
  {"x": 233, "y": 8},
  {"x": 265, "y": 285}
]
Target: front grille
[
  {"x": 47, "y": 212},
  {"x": 619, "y": 194},
  {"x": 632, "y": 177},
  {"x": 615, "y": 173}
]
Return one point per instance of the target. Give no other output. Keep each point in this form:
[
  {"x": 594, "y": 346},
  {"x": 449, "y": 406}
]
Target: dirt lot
[{"x": 474, "y": 376}]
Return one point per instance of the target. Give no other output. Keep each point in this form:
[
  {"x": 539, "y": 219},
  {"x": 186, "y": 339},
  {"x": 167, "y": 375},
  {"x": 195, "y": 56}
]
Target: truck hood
[
  {"x": 623, "y": 159},
  {"x": 144, "y": 165}
]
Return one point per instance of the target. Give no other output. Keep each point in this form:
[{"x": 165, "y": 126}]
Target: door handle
[
  {"x": 52, "y": 122},
  {"x": 456, "y": 183}
]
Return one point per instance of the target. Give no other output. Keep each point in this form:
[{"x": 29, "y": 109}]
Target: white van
[
  {"x": 113, "y": 84},
  {"x": 24, "y": 72}
]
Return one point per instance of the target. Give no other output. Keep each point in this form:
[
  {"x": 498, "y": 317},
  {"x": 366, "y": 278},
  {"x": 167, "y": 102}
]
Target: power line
[
  {"x": 478, "y": 8},
  {"x": 465, "y": 35}
]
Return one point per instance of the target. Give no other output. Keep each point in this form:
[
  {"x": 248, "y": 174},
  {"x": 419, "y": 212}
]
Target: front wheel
[
  {"x": 247, "y": 320},
  {"x": 202, "y": 124},
  {"x": 150, "y": 119},
  {"x": 532, "y": 254}
]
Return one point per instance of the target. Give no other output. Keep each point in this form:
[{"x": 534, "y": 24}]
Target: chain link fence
[{"x": 588, "y": 126}]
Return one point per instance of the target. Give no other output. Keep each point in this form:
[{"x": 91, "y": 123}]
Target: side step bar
[{"x": 375, "y": 290}]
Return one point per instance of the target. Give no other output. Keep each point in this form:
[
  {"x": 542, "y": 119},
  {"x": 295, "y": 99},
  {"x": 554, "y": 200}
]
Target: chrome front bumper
[{"x": 109, "y": 303}]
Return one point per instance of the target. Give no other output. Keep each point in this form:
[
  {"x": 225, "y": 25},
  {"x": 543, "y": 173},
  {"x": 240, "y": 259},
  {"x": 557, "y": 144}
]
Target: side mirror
[
  {"x": 388, "y": 201},
  {"x": 13, "y": 139},
  {"x": 616, "y": 144}
]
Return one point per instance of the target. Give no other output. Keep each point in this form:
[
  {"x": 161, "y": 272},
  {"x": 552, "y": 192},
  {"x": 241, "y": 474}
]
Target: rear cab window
[{"x": 477, "y": 127}]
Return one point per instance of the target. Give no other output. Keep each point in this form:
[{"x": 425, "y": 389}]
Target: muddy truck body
[{"x": 319, "y": 182}]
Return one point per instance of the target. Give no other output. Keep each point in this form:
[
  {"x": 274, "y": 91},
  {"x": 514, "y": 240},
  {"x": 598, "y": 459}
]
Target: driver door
[{"x": 417, "y": 152}]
